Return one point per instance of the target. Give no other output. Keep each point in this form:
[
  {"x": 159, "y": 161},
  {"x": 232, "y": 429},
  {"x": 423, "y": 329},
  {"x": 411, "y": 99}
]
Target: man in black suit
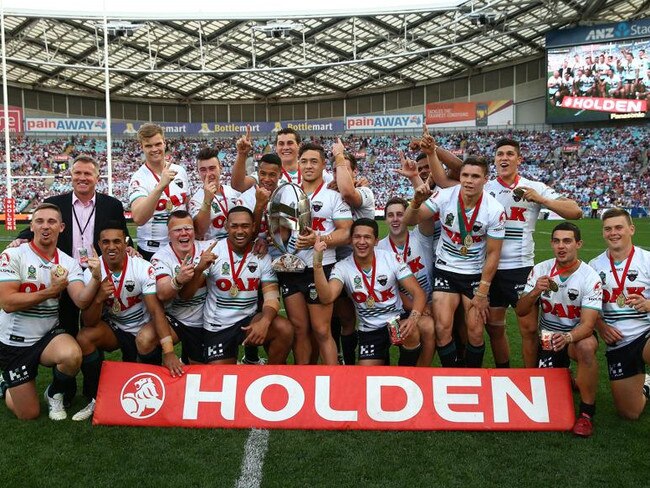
[{"x": 83, "y": 210}]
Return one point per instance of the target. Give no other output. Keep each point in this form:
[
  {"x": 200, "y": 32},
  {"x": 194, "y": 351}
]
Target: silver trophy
[{"x": 289, "y": 212}]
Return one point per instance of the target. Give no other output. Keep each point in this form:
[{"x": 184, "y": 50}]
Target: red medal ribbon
[
  {"x": 509, "y": 187},
  {"x": 41, "y": 254},
  {"x": 166, "y": 189},
  {"x": 179, "y": 259},
  {"x": 370, "y": 287},
  {"x": 555, "y": 271},
  {"x": 288, "y": 176},
  {"x": 224, "y": 211},
  {"x": 406, "y": 247},
  {"x": 470, "y": 224},
  {"x": 236, "y": 272},
  {"x": 118, "y": 290},
  {"x": 313, "y": 195},
  {"x": 621, "y": 282}
]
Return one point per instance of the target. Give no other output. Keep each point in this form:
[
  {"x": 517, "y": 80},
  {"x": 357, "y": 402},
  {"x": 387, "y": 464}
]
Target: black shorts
[
  {"x": 126, "y": 340},
  {"x": 224, "y": 344},
  {"x": 20, "y": 364},
  {"x": 507, "y": 286},
  {"x": 553, "y": 359},
  {"x": 449, "y": 282},
  {"x": 374, "y": 344},
  {"x": 191, "y": 337},
  {"x": 292, "y": 283},
  {"x": 627, "y": 361},
  {"x": 146, "y": 255}
]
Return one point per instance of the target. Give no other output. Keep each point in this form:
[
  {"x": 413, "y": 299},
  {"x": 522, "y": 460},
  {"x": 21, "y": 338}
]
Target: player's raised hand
[
  {"x": 542, "y": 284},
  {"x": 210, "y": 190},
  {"x": 245, "y": 143},
  {"x": 186, "y": 273},
  {"x": 261, "y": 247},
  {"x": 338, "y": 147},
  {"x": 207, "y": 258},
  {"x": 17, "y": 242},
  {"x": 58, "y": 283},
  {"x": 422, "y": 194},
  {"x": 262, "y": 196},
  {"x": 168, "y": 174},
  {"x": 408, "y": 167},
  {"x": 106, "y": 289},
  {"x": 94, "y": 265}
]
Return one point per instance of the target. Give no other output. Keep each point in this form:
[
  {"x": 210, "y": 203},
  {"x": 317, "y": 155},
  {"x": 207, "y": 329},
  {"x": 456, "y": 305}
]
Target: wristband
[
  {"x": 568, "y": 337},
  {"x": 205, "y": 206},
  {"x": 480, "y": 294},
  {"x": 486, "y": 283},
  {"x": 167, "y": 344},
  {"x": 413, "y": 205},
  {"x": 415, "y": 314},
  {"x": 318, "y": 258},
  {"x": 175, "y": 284}
]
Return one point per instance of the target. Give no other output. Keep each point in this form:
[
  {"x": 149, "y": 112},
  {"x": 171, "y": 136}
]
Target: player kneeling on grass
[
  {"x": 625, "y": 324},
  {"x": 569, "y": 293},
  {"x": 125, "y": 303},
  {"x": 373, "y": 277},
  {"x": 174, "y": 266},
  {"x": 233, "y": 276},
  {"x": 32, "y": 276}
]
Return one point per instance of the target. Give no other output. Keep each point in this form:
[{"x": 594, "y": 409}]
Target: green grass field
[{"x": 43, "y": 453}]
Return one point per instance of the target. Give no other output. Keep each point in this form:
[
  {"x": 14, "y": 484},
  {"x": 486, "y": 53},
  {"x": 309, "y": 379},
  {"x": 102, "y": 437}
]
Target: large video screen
[{"x": 604, "y": 81}]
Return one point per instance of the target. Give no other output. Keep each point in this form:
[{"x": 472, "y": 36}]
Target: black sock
[
  {"x": 154, "y": 357},
  {"x": 184, "y": 357},
  {"x": 251, "y": 354},
  {"x": 588, "y": 408},
  {"x": 409, "y": 357},
  {"x": 91, "y": 367},
  {"x": 505, "y": 364},
  {"x": 349, "y": 345},
  {"x": 447, "y": 354},
  {"x": 335, "y": 327},
  {"x": 474, "y": 355},
  {"x": 61, "y": 383}
]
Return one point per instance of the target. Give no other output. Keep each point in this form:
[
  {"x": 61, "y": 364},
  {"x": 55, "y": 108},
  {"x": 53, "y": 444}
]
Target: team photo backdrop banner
[
  {"x": 335, "y": 398},
  {"x": 470, "y": 114}
]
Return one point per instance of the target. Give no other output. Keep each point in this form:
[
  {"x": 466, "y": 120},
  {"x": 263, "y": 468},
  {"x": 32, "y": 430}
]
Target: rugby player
[
  {"x": 624, "y": 270},
  {"x": 569, "y": 294},
  {"x": 467, "y": 255},
  {"x": 156, "y": 189},
  {"x": 125, "y": 303},
  {"x": 209, "y": 205},
  {"x": 373, "y": 277},
  {"x": 32, "y": 277},
  {"x": 233, "y": 276}
]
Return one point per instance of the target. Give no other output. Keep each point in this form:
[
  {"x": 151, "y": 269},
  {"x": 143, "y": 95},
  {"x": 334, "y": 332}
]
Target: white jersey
[
  {"x": 139, "y": 280},
  {"x": 222, "y": 202},
  {"x": 388, "y": 272},
  {"x": 560, "y": 311},
  {"x": 25, "y": 327},
  {"x": 367, "y": 208},
  {"x": 518, "y": 249},
  {"x": 554, "y": 84},
  {"x": 419, "y": 256},
  {"x": 327, "y": 207},
  {"x": 142, "y": 184},
  {"x": 489, "y": 223},
  {"x": 166, "y": 263},
  {"x": 222, "y": 310},
  {"x": 631, "y": 323}
]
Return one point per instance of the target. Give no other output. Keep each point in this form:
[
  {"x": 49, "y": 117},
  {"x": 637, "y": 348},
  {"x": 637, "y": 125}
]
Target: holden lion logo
[{"x": 143, "y": 395}]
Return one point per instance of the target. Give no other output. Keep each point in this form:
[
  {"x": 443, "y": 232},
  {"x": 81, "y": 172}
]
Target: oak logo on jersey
[
  {"x": 559, "y": 310},
  {"x": 129, "y": 285},
  {"x": 252, "y": 266},
  {"x": 31, "y": 272},
  {"x": 143, "y": 395},
  {"x": 382, "y": 279},
  {"x": 317, "y": 206},
  {"x": 573, "y": 293}
]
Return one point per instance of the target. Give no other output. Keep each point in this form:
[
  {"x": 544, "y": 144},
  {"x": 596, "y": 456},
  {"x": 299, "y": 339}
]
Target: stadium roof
[{"x": 301, "y": 54}]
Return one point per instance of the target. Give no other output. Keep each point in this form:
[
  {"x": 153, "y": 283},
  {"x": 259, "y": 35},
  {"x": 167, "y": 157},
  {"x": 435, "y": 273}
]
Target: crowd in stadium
[{"x": 595, "y": 166}]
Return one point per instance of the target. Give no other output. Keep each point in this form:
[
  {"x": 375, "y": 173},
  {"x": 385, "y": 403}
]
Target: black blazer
[{"x": 106, "y": 208}]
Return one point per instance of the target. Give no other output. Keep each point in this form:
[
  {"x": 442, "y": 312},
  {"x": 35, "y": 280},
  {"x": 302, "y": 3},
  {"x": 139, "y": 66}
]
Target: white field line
[{"x": 252, "y": 465}]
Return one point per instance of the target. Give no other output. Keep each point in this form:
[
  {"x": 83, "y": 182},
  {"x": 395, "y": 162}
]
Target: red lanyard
[
  {"x": 555, "y": 272},
  {"x": 620, "y": 282},
  {"x": 313, "y": 195},
  {"x": 42, "y": 255},
  {"x": 288, "y": 176},
  {"x": 406, "y": 247},
  {"x": 118, "y": 290},
  {"x": 509, "y": 187},
  {"x": 470, "y": 224},
  {"x": 236, "y": 272},
  {"x": 369, "y": 286},
  {"x": 179, "y": 259},
  {"x": 224, "y": 210}
]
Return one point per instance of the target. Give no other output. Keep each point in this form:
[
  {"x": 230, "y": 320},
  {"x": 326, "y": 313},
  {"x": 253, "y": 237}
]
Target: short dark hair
[
  {"x": 571, "y": 227},
  {"x": 288, "y": 130},
  {"x": 477, "y": 161},
  {"x": 112, "y": 225},
  {"x": 420, "y": 157},
  {"x": 366, "y": 222},
  {"x": 311, "y": 146},
  {"x": 48, "y": 206},
  {"x": 179, "y": 214},
  {"x": 240, "y": 209},
  {"x": 617, "y": 212},
  {"x": 207, "y": 153},
  {"x": 350, "y": 157},
  {"x": 508, "y": 142},
  {"x": 271, "y": 158},
  {"x": 395, "y": 201}
]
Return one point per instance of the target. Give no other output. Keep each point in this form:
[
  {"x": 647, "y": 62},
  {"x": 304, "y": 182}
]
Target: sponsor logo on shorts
[
  {"x": 313, "y": 294},
  {"x": 143, "y": 395}
]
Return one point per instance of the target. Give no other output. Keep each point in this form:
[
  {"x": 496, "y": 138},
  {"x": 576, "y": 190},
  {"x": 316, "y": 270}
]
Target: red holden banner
[
  {"x": 10, "y": 213},
  {"x": 612, "y": 105},
  {"x": 470, "y": 114},
  {"x": 335, "y": 398}
]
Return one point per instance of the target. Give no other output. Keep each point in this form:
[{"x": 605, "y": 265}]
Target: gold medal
[
  {"x": 468, "y": 241},
  {"x": 234, "y": 291},
  {"x": 116, "y": 308},
  {"x": 463, "y": 251},
  {"x": 169, "y": 206},
  {"x": 59, "y": 271},
  {"x": 620, "y": 300},
  {"x": 552, "y": 285},
  {"x": 370, "y": 302}
]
